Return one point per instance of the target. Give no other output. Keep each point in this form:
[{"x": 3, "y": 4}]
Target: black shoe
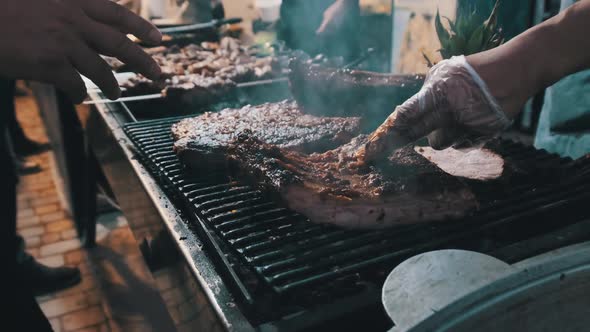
[
  {"x": 44, "y": 279},
  {"x": 20, "y": 92},
  {"x": 25, "y": 167},
  {"x": 27, "y": 147}
]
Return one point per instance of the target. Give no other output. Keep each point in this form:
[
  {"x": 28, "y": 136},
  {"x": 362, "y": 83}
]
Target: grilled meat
[
  {"x": 202, "y": 74},
  {"x": 227, "y": 60},
  {"x": 202, "y": 141},
  {"x": 193, "y": 88},
  {"x": 331, "y": 187},
  {"x": 328, "y": 91},
  {"x": 480, "y": 164}
]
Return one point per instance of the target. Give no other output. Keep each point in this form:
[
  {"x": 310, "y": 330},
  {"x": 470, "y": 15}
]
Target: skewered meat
[
  {"x": 328, "y": 91},
  {"x": 331, "y": 188},
  {"x": 203, "y": 140},
  {"x": 207, "y": 59},
  {"x": 217, "y": 65},
  {"x": 189, "y": 88}
]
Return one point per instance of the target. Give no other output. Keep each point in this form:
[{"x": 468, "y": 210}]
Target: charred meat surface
[
  {"x": 203, "y": 140},
  {"x": 331, "y": 187},
  {"x": 329, "y": 91}
]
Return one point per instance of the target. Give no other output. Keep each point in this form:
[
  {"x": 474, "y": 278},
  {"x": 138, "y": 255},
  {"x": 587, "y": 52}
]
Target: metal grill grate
[{"x": 287, "y": 254}]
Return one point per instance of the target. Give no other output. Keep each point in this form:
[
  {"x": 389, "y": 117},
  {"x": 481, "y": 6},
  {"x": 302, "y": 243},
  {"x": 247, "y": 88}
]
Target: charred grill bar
[{"x": 253, "y": 264}]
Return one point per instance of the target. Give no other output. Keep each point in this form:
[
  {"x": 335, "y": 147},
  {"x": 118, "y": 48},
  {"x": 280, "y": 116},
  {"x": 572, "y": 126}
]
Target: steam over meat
[
  {"x": 203, "y": 140},
  {"x": 328, "y": 91},
  {"x": 330, "y": 187}
]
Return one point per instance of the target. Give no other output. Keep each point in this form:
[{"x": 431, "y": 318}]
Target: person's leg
[
  {"x": 16, "y": 132},
  {"x": 22, "y": 309},
  {"x": 23, "y": 145},
  {"x": 39, "y": 278},
  {"x": 44, "y": 279}
]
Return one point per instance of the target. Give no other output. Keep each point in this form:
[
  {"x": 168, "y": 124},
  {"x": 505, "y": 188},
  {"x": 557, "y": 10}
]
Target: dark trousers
[
  {"x": 22, "y": 311},
  {"x": 17, "y": 135}
]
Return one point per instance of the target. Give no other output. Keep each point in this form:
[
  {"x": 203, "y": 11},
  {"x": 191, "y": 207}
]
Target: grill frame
[
  {"x": 106, "y": 132},
  {"x": 205, "y": 230},
  {"x": 117, "y": 158}
]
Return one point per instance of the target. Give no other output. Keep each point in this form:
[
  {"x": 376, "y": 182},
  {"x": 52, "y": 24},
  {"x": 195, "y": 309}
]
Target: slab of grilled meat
[
  {"x": 332, "y": 187},
  {"x": 202, "y": 141},
  {"x": 328, "y": 91}
]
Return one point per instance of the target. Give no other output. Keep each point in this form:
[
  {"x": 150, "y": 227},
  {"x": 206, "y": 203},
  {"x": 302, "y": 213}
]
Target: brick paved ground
[{"x": 50, "y": 236}]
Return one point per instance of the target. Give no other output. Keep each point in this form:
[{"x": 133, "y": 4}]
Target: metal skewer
[
  {"x": 352, "y": 64},
  {"x": 122, "y": 99},
  {"x": 200, "y": 26},
  {"x": 161, "y": 95}
]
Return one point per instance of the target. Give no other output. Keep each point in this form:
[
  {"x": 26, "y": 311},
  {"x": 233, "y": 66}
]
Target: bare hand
[
  {"x": 54, "y": 40},
  {"x": 334, "y": 18}
]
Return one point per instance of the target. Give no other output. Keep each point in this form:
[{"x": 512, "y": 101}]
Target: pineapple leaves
[
  {"x": 443, "y": 34},
  {"x": 492, "y": 21},
  {"x": 490, "y": 25},
  {"x": 469, "y": 34},
  {"x": 451, "y": 24},
  {"x": 475, "y": 41},
  {"x": 429, "y": 62}
]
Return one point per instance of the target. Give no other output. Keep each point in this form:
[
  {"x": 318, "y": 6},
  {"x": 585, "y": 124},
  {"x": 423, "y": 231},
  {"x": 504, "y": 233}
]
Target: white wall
[{"x": 446, "y": 7}]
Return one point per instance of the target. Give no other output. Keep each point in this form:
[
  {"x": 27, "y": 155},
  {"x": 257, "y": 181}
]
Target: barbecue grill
[{"x": 247, "y": 263}]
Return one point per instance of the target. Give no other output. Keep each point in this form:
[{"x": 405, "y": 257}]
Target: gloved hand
[{"x": 453, "y": 103}]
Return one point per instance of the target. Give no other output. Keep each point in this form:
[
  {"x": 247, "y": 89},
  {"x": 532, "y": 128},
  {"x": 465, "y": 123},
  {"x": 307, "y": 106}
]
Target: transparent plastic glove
[{"x": 454, "y": 103}]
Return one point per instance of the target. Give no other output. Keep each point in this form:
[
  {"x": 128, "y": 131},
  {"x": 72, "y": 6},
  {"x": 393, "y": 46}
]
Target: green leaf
[
  {"x": 443, "y": 34},
  {"x": 493, "y": 40},
  {"x": 475, "y": 42},
  {"x": 490, "y": 23},
  {"x": 451, "y": 24},
  {"x": 429, "y": 62},
  {"x": 457, "y": 45}
]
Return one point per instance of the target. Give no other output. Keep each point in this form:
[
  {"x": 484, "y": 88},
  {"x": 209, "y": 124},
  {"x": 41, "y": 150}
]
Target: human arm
[
  {"x": 54, "y": 40},
  {"x": 452, "y": 104},
  {"x": 538, "y": 57},
  {"x": 335, "y": 16}
]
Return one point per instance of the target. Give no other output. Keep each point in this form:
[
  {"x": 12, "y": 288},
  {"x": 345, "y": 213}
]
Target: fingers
[
  {"x": 121, "y": 18},
  {"x": 323, "y": 27},
  {"x": 385, "y": 138},
  {"x": 443, "y": 138},
  {"x": 89, "y": 64},
  {"x": 414, "y": 127},
  {"x": 417, "y": 117},
  {"x": 67, "y": 79},
  {"x": 109, "y": 41}
]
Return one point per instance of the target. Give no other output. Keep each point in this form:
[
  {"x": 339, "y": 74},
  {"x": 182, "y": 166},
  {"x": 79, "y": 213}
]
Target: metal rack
[{"x": 276, "y": 258}]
